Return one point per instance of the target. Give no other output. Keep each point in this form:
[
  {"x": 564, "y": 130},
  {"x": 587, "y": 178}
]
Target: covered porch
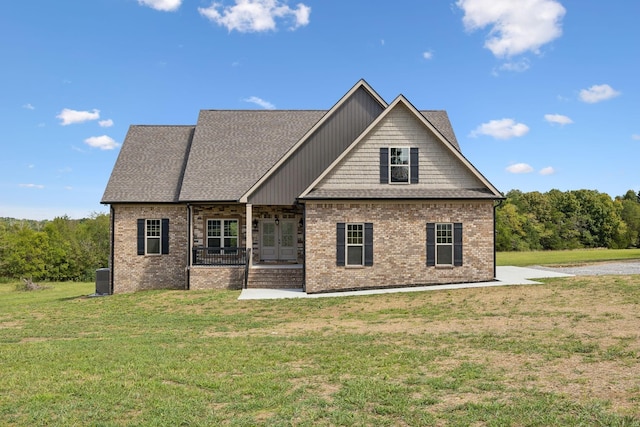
[{"x": 229, "y": 241}]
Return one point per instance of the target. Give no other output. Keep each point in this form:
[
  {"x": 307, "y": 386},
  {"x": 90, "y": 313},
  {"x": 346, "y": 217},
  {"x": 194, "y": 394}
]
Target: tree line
[
  {"x": 59, "y": 250},
  {"x": 567, "y": 220}
]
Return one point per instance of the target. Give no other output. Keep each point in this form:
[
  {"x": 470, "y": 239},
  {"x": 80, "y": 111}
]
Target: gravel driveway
[{"x": 601, "y": 268}]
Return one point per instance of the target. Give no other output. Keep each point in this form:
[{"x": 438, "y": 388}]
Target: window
[
  {"x": 153, "y": 236},
  {"x": 399, "y": 165},
  {"x": 354, "y": 244},
  {"x": 222, "y": 233},
  {"x": 444, "y": 244}
]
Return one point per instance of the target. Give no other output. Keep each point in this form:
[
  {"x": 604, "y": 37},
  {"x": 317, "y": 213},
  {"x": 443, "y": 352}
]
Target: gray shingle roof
[
  {"x": 401, "y": 192},
  {"x": 150, "y": 165},
  {"x": 225, "y": 154},
  {"x": 232, "y": 150},
  {"x": 440, "y": 120}
]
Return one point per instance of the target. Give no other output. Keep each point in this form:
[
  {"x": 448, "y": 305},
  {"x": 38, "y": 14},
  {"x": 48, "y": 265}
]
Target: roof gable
[
  {"x": 443, "y": 168},
  {"x": 321, "y": 145}
]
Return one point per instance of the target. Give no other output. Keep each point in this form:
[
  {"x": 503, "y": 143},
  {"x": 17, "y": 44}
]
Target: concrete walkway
[{"x": 506, "y": 276}]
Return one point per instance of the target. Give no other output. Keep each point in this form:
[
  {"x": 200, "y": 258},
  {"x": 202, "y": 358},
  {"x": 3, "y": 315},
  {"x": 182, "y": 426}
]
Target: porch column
[{"x": 248, "y": 227}]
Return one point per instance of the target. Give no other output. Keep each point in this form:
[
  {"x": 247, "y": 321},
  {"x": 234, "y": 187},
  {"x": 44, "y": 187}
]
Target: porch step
[{"x": 276, "y": 278}]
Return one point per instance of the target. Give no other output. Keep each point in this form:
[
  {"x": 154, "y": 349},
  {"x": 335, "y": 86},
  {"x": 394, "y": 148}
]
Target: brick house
[{"x": 365, "y": 195}]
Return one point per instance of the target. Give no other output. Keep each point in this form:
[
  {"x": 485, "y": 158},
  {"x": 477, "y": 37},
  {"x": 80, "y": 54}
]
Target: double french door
[{"x": 278, "y": 240}]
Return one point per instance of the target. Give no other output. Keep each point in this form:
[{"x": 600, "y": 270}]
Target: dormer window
[{"x": 399, "y": 165}]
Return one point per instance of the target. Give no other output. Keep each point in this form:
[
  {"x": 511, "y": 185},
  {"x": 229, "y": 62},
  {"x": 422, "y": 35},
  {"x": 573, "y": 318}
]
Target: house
[{"x": 369, "y": 194}]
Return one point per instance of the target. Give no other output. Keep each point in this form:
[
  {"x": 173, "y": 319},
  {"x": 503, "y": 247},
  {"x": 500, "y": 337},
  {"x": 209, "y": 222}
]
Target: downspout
[
  {"x": 495, "y": 206},
  {"x": 112, "y": 212},
  {"x": 189, "y": 244}
]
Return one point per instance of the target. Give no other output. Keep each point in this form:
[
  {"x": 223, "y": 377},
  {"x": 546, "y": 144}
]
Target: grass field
[
  {"x": 563, "y": 353},
  {"x": 578, "y": 256}
]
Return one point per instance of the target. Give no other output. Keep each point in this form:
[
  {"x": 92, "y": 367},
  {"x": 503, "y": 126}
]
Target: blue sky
[{"x": 542, "y": 94}]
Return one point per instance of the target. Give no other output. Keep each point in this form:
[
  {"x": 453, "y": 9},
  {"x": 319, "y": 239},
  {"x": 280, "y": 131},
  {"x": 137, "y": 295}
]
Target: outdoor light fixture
[
  {"x": 277, "y": 220},
  {"x": 255, "y": 224},
  {"x": 301, "y": 223}
]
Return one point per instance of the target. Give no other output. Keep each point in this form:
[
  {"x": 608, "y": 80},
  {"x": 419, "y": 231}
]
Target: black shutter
[
  {"x": 431, "y": 244},
  {"x": 340, "y": 244},
  {"x": 414, "y": 164},
  {"x": 165, "y": 236},
  {"x": 384, "y": 165},
  {"x": 457, "y": 244},
  {"x": 368, "y": 244},
  {"x": 141, "y": 236}
]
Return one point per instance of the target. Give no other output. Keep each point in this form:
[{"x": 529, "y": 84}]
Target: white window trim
[
  {"x": 147, "y": 237},
  {"x": 222, "y": 236},
  {"x": 408, "y": 166},
  {"x": 437, "y": 244},
  {"x": 347, "y": 245}
]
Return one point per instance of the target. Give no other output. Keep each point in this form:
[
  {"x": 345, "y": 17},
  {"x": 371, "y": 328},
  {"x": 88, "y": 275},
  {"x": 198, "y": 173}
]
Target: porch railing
[{"x": 220, "y": 256}]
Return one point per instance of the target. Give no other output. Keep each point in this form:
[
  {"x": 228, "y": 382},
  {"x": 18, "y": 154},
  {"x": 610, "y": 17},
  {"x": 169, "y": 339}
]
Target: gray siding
[
  {"x": 439, "y": 168},
  {"x": 319, "y": 151}
]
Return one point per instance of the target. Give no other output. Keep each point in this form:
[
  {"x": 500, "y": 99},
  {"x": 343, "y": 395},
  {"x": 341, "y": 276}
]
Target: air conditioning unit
[{"x": 103, "y": 281}]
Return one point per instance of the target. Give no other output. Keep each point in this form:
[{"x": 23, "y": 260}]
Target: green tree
[
  {"x": 23, "y": 253},
  {"x": 630, "y": 214},
  {"x": 510, "y": 234}
]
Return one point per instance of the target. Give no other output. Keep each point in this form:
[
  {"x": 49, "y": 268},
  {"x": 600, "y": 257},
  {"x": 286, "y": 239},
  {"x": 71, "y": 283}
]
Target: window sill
[
  {"x": 354, "y": 267},
  {"x": 444, "y": 267}
]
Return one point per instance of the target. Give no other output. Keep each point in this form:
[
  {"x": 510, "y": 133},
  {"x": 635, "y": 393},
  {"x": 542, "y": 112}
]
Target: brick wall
[
  {"x": 216, "y": 277},
  {"x": 132, "y": 272},
  {"x": 399, "y": 244}
]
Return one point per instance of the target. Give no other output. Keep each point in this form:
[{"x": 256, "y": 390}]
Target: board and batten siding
[
  {"x": 438, "y": 166},
  {"x": 319, "y": 151}
]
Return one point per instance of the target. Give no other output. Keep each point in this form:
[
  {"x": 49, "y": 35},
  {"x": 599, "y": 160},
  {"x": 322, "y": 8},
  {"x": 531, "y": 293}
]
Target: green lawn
[
  {"x": 563, "y": 353},
  {"x": 578, "y": 256}
]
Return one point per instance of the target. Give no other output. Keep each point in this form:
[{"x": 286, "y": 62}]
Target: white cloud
[
  {"x": 558, "y": 119},
  {"x": 517, "y": 66},
  {"x": 261, "y": 102},
  {"x": 28, "y": 107},
  {"x": 427, "y": 55},
  {"x": 520, "y": 168},
  {"x": 547, "y": 171},
  {"x": 103, "y": 142},
  {"x": 36, "y": 186},
  {"x": 256, "y": 15},
  {"x": 69, "y": 116},
  {"x": 501, "y": 129},
  {"x": 106, "y": 123},
  {"x": 635, "y": 136},
  {"x": 162, "y": 5},
  {"x": 516, "y": 26},
  {"x": 597, "y": 93},
  {"x": 68, "y": 188}
]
